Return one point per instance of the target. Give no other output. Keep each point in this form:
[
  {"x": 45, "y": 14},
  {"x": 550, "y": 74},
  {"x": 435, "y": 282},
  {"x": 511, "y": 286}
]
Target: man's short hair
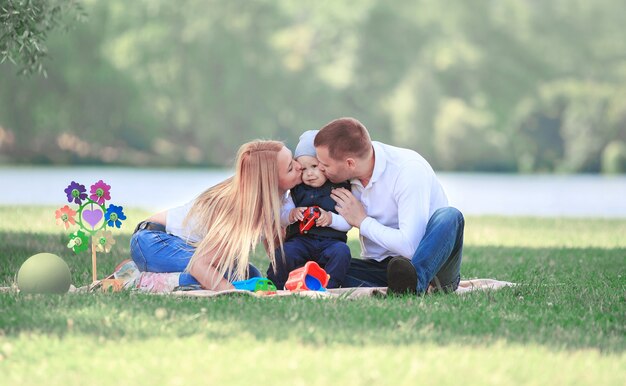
[{"x": 344, "y": 137}]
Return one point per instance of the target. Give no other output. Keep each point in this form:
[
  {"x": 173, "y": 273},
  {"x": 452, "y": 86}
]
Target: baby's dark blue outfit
[{"x": 324, "y": 245}]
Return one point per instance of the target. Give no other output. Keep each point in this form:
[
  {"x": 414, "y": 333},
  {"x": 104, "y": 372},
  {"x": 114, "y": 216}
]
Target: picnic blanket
[
  {"x": 168, "y": 283},
  {"x": 465, "y": 286}
]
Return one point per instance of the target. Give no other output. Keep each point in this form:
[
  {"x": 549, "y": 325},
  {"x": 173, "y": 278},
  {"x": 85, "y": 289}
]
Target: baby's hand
[
  {"x": 325, "y": 219},
  {"x": 296, "y": 214}
]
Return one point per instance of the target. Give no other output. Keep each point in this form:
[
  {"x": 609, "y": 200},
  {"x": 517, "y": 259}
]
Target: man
[{"x": 410, "y": 237}]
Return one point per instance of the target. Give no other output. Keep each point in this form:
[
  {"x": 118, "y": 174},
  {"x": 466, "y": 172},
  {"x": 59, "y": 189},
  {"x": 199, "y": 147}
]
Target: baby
[{"x": 325, "y": 242}]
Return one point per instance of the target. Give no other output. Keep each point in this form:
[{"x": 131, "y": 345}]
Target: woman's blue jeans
[
  {"x": 437, "y": 258},
  {"x": 156, "y": 251}
]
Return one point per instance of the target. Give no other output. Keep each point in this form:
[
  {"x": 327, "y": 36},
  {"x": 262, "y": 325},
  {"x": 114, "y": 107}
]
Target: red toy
[
  {"x": 311, "y": 214},
  {"x": 311, "y": 277}
]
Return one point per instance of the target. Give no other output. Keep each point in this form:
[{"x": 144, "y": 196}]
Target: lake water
[{"x": 474, "y": 194}]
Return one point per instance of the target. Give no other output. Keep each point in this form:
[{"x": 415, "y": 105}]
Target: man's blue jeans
[
  {"x": 156, "y": 251},
  {"x": 437, "y": 258}
]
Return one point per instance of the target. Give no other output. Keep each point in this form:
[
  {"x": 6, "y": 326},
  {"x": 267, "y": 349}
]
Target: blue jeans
[
  {"x": 331, "y": 254},
  {"x": 156, "y": 251},
  {"x": 437, "y": 258}
]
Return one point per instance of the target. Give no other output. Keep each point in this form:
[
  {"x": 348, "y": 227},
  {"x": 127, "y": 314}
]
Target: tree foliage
[
  {"x": 24, "y": 28},
  {"x": 485, "y": 85}
]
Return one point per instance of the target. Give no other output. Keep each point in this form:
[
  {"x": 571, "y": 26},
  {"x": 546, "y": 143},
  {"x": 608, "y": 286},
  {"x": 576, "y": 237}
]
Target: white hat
[{"x": 305, "y": 146}]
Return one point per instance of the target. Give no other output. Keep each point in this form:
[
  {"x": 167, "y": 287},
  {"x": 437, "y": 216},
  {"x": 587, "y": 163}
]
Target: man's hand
[{"x": 348, "y": 206}]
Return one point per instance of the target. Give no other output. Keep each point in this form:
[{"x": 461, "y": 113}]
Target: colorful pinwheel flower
[
  {"x": 65, "y": 216},
  {"x": 79, "y": 241},
  {"x": 92, "y": 219},
  {"x": 100, "y": 192},
  {"x": 114, "y": 215},
  {"x": 105, "y": 241},
  {"x": 76, "y": 192}
]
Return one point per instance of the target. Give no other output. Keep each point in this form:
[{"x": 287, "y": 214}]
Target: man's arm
[
  {"x": 413, "y": 201},
  {"x": 411, "y": 193},
  {"x": 339, "y": 223}
]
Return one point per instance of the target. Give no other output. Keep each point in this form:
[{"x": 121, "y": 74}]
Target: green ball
[{"x": 44, "y": 273}]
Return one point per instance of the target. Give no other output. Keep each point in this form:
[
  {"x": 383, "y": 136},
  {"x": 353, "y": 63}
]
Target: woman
[{"x": 213, "y": 235}]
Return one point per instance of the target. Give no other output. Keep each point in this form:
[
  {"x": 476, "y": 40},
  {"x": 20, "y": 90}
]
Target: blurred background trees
[
  {"x": 24, "y": 27},
  {"x": 507, "y": 85}
]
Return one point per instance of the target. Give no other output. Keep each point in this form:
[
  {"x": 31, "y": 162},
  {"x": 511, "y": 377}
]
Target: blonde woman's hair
[{"x": 235, "y": 214}]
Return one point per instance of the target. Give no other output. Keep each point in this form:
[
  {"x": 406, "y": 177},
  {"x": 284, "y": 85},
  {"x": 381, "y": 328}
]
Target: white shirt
[
  {"x": 399, "y": 199},
  {"x": 174, "y": 223}
]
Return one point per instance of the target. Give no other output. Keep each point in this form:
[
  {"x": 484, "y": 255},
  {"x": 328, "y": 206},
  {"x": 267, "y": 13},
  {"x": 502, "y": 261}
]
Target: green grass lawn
[{"x": 564, "y": 323}]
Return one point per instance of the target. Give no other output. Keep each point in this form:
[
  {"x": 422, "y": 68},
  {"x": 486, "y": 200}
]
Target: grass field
[{"x": 564, "y": 324}]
